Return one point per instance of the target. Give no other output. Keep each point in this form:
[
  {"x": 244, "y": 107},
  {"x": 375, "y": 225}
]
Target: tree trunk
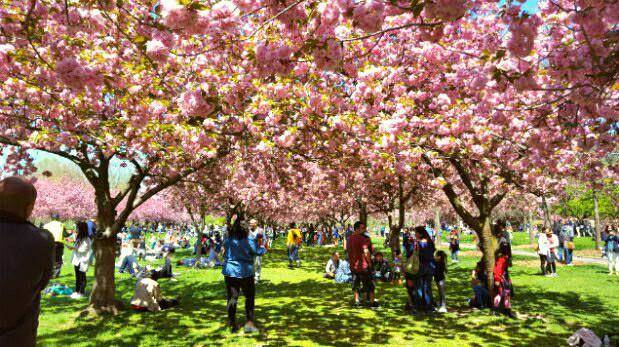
[
  {"x": 102, "y": 298},
  {"x": 598, "y": 227},
  {"x": 363, "y": 213},
  {"x": 530, "y": 223},
  {"x": 546, "y": 209},
  {"x": 437, "y": 227},
  {"x": 489, "y": 245}
]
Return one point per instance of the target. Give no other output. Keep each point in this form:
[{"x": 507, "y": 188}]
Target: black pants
[
  {"x": 80, "y": 280},
  {"x": 542, "y": 261},
  {"x": 233, "y": 290},
  {"x": 59, "y": 252}
]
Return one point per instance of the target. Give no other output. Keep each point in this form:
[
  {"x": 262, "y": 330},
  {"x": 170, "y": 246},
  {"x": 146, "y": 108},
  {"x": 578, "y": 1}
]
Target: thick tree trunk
[
  {"x": 489, "y": 245},
  {"x": 598, "y": 227},
  {"x": 102, "y": 298}
]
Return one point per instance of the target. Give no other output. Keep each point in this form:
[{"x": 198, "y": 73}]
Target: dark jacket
[{"x": 26, "y": 262}]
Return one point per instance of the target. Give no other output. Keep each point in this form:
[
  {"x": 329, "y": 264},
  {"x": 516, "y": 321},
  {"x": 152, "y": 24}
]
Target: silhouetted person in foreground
[{"x": 26, "y": 263}]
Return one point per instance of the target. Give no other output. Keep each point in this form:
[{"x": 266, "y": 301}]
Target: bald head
[{"x": 17, "y": 196}]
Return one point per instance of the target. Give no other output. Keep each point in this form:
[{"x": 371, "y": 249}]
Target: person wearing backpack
[{"x": 612, "y": 252}]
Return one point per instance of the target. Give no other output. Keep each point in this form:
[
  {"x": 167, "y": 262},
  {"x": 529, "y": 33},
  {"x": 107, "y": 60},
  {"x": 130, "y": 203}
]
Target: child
[
  {"x": 381, "y": 268},
  {"x": 439, "y": 278}
]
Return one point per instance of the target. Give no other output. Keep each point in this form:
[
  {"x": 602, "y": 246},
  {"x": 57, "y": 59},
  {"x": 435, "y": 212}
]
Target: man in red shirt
[{"x": 359, "y": 248}]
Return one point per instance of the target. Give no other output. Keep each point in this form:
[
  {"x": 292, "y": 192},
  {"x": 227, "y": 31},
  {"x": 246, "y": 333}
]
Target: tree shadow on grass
[{"x": 303, "y": 308}]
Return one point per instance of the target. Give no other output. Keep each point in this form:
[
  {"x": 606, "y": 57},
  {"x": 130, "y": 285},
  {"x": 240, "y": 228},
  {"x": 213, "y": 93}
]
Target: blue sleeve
[{"x": 253, "y": 247}]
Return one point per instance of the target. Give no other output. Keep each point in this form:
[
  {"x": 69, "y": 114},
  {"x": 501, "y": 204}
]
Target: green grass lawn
[{"x": 299, "y": 307}]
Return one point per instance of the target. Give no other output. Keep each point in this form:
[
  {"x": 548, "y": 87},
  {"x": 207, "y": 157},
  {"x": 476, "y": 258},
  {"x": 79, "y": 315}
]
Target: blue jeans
[
  {"x": 454, "y": 255},
  {"x": 481, "y": 296},
  {"x": 128, "y": 263},
  {"x": 293, "y": 254},
  {"x": 569, "y": 253},
  {"x": 560, "y": 252},
  {"x": 423, "y": 288}
]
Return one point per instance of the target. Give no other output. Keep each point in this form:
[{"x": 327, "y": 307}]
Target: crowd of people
[{"x": 238, "y": 249}]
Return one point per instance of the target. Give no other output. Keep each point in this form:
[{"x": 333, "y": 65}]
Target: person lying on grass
[{"x": 147, "y": 295}]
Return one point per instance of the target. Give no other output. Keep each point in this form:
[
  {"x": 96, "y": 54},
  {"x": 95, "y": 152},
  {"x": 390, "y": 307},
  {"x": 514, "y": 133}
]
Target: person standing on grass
[
  {"x": 440, "y": 260},
  {"x": 257, "y": 233},
  {"x": 454, "y": 244},
  {"x": 80, "y": 259},
  {"x": 612, "y": 252},
  {"x": 359, "y": 248},
  {"x": 502, "y": 280},
  {"x": 551, "y": 243},
  {"x": 59, "y": 232},
  {"x": 423, "y": 280},
  {"x": 26, "y": 264},
  {"x": 238, "y": 270},
  {"x": 293, "y": 241}
]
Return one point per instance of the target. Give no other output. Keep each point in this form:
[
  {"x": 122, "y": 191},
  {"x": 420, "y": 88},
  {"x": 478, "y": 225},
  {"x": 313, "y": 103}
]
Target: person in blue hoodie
[{"x": 238, "y": 269}]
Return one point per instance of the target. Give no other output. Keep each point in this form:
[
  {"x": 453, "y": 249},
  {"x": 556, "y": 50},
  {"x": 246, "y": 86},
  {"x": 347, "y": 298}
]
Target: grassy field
[{"x": 299, "y": 307}]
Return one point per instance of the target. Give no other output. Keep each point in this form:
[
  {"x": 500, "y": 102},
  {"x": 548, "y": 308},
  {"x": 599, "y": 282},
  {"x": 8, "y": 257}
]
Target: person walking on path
[
  {"x": 238, "y": 270},
  {"x": 80, "y": 259},
  {"x": 612, "y": 252},
  {"x": 293, "y": 241},
  {"x": 454, "y": 244},
  {"x": 59, "y": 232},
  {"x": 359, "y": 248},
  {"x": 26, "y": 263}
]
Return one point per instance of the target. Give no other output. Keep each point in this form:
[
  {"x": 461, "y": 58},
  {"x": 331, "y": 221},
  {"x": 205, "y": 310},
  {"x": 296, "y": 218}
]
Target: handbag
[
  {"x": 570, "y": 245},
  {"x": 412, "y": 263}
]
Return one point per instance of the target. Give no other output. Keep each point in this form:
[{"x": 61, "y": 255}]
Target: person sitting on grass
[
  {"x": 129, "y": 261},
  {"x": 147, "y": 295},
  {"x": 343, "y": 273},
  {"x": 479, "y": 283},
  {"x": 332, "y": 266},
  {"x": 382, "y": 269}
]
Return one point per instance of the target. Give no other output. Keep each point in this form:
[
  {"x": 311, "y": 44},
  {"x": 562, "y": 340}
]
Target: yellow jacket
[{"x": 294, "y": 237}]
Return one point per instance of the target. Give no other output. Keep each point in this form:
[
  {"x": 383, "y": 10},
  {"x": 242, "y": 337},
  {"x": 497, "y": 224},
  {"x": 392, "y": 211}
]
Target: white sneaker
[
  {"x": 442, "y": 309},
  {"x": 74, "y": 295}
]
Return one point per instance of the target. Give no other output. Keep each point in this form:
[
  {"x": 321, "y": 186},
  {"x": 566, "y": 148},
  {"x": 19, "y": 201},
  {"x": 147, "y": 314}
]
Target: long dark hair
[
  {"x": 82, "y": 231},
  {"x": 238, "y": 231},
  {"x": 421, "y": 230}
]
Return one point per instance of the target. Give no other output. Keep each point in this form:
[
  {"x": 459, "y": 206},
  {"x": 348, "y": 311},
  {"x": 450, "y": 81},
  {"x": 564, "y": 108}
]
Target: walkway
[{"x": 586, "y": 260}]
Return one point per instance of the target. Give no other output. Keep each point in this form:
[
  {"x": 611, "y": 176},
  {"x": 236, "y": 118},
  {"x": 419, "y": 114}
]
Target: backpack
[
  {"x": 612, "y": 245},
  {"x": 412, "y": 264}
]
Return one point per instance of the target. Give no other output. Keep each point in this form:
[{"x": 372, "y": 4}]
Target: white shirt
[
  {"x": 330, "y": 268},
  {"x": 82, "y": 253}
]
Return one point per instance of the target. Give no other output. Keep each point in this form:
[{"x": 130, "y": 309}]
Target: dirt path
[{"x": 586, "y": 260}]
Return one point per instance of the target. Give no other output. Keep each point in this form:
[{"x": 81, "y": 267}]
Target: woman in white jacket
[
  {"x": 82, "y": 251},
  {"x": 547, "y": 244}
]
